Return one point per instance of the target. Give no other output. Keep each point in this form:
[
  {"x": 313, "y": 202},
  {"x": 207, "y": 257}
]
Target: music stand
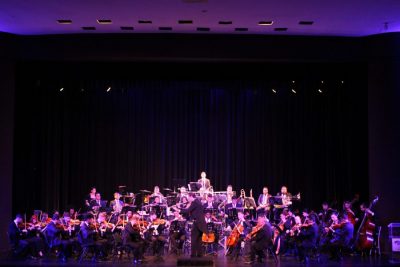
[
  {"x": 122, "y": 190},
  {"x": 194, "y": 186}
]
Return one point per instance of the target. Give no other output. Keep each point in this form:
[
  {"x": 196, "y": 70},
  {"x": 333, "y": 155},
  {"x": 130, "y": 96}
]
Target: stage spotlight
[
  {"x": 322, "y": 81},
  {"x": 342, "y": 82},
  {"x": 61, "y": 89},
  {"x": 82, "y": 90},
  {"x": 109, "y": 89},
  {"x": 293, "y": 81},
  {"x": 294, "y": 91},
  {"x": 274, "y": 91},
  {"x": 320, "y": 91}
]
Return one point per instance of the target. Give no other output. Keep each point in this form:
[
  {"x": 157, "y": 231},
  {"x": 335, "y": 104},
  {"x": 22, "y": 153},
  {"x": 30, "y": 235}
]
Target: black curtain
[{"x": 150, "y": 129}]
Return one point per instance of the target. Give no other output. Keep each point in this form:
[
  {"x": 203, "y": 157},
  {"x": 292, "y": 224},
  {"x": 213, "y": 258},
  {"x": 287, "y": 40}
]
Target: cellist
[
  {"x": 240, "y": 228},
  {"x": 260, "y": 238}
]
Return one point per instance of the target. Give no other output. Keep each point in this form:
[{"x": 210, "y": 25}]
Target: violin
[{"x": 158, "y": 222}]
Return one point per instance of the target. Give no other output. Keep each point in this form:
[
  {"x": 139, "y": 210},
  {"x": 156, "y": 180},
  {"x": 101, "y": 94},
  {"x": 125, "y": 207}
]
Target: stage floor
[{"x": 219, "y": 260}]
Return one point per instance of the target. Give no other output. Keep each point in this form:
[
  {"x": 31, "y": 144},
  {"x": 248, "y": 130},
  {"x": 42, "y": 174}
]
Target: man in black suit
[
  {"x": 20, "y": 244},
  {"x": 132, "y": 238},
  {"x": 98, "y": 204},
  {"x": 307, "y": 238},
  {"x": 88, "y": 234},
  {"x": 342, "y": 238},
  {"x": 260, "y": 240},
  {"x": 53, "y": 234},
  {"x": 196, "y": 212}
]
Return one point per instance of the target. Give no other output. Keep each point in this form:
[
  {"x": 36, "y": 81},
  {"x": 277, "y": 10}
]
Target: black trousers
[{"x": 196, "y": 243}]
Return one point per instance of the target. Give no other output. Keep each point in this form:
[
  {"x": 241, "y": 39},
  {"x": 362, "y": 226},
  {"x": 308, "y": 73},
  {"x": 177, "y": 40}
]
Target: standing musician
[
  {"x": 204, "y": 182},
  {"x": 91, "y": 196},
  {"x": 177, "y": 233},
  {"x": 229, "y": 194},
  {"x": 196, "y": 212},
  {"x": 157, "y": 193},
  {"x": 260, "y": 239},
  {"x": 285, "y": 200},
  {"x": 132, "y": 237},
  {"x": 117, "y": 204},
  {"x": 263, "y": 202},
  {"x": 240, "y": 228}
]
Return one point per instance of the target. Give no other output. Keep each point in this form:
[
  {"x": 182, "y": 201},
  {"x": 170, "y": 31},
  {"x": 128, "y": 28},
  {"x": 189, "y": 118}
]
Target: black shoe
[{"x": 251, "y": 262}]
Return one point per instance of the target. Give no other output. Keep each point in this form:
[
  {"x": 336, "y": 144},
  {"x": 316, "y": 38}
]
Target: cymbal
[
  {"x": 167, "y": 189},
  {"x": 170, "y": 196},
  {"x": 145, "y": 191}
]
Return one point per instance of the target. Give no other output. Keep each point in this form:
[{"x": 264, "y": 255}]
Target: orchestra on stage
[{"x": 195, "y": 221}]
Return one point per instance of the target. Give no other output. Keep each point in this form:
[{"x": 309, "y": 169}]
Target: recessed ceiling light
[
  {"x": 185, "y": 21},
  {"x": 280, "y": 29},
  {"x": 104, "y": 21},
  {"x": 145, "y": 21},
  {"x": 306, "y": 22},
  {"x": 90, "y": 28},
  {"x": 64, "y": 21},
  {"x": 265, "y": 23},
  {"x": 225, "y": 22},
  {"x": 165, "y": 28},
  {"x": 203, "y": 29},
  {"x": 241, "y": 29},
  {"x": 127, "y": 28}
]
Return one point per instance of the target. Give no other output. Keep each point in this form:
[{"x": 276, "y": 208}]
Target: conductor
[{"x": 196, "y": 212}]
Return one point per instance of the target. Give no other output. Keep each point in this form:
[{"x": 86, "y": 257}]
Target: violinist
[
  {"x": 240, "y": 228},
  {"x": 177, "y": 233},
  {"x": 325, "y": 214},
  {"x": 53, "y": 232},
  {"x": 307, "y": 238},
  {"x": 132, "y": 237},
  {"x": 347, "y": 209},
  {"x": 88, "y": 236},
  {"x": 21, "y": 245},
  {"x": 154, "y": 235},
  {"x": 260, "y": 238},
  {"x": 341, "y": 238}
]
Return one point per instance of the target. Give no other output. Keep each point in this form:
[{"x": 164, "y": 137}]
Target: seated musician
[
  {"x": 117, "y": 204},
  {"x": 342, "y": 238},
  {"x": 182, "y": 193},
  {"x": 232, "y": 208},
  {"x": 177, "y": 233},
  {"x": 210, "y": 204},
  {"x": 325, "y": 214},
  {"x": 260, "y": 238},
  {"x": 54, "y": 233},
  {"x": 281, "y": 231},
  {"x": 210, "y": 220},
  {"x": 204, "y": 181},
  {"x": 88, "y": 236},
  {"x": 157, "y": 193},
  {"x": 21, "y": 245},
  {"x": 263, "y": 202},
  {"x": 132, "y": 237},
  {"x": 347, "y": 208},
  {"x": 154, "y": 235},
  {"x": 240, "y": 228},
  {"x": 307, "y": 238}
]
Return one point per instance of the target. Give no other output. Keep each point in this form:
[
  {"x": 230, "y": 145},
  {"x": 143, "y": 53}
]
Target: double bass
[{"x": 365, "y": 233}]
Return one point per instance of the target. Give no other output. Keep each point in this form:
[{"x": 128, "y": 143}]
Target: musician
[
  {"x": 199, "y": 227},
  {"x": 21, "y": 245},
  {"x": 54, "y": 231},
  {"x": 365, "y": 210},
  {"x": 239, "y": 223},
  {"x": 96, "y": 204},
  {"x": 177, "y": 233},
  {"x": 232, "y": 208},
  {"x": 210, "y": 220},
  {"x": 132, "y": 237},
  {"x": 157, "y": 193},
  {"x": 117, "y": 204},
  {"x": 341, "y": 238},
  {"x": 88, "y": 236},
  {"x": 260, "y": 239},
  {"x": 204, "y": 182},
  {"x": 183, "y": 206},
  {"x": 229, "y": 194},
  {"x": 263, "y": 201},
  {"x": 182, "y": 193},
  {"x": 90, "y": 197},
  {"x": 325, "y": 214},
  {"x": 284, "y": 201},
  {"x": 210, "y": 204},
  {"x": 307, "y": 238},
  {"x": 347, "y": 209},
  {"x": 154, "y": 235}
]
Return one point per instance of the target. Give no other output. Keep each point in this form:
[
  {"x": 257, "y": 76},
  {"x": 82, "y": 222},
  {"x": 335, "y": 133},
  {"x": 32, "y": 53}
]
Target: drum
[{"x": 146, "y": 199}]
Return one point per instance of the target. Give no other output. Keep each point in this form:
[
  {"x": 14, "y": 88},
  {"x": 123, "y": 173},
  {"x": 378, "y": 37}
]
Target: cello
[{"x": 365, "y": 233}]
